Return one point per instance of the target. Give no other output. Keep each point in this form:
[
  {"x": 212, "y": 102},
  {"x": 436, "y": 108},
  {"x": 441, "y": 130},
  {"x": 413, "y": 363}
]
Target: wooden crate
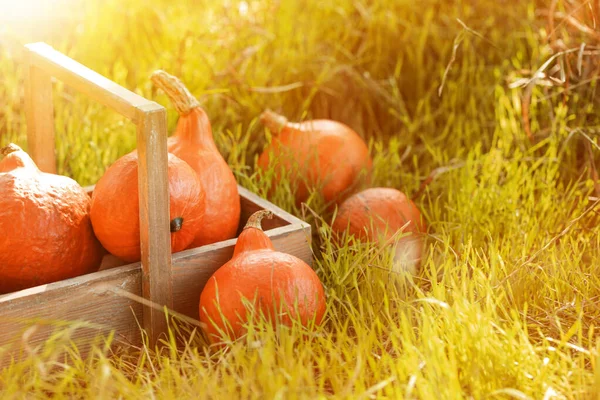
[{"x": 109, "y": 298}]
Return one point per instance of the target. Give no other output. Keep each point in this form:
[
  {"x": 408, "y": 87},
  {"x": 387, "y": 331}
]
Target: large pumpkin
[
  {"x": 45, "y": 229},
  {"x": 115, "y": 207}
]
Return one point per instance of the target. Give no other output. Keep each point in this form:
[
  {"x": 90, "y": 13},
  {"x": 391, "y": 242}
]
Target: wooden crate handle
[{"x": 43, "y": 62}]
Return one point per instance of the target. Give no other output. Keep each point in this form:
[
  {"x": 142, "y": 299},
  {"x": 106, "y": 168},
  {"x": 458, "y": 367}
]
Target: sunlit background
[
  {"x": 487, "y": 108},
  {"x": 30, "y": 20}
]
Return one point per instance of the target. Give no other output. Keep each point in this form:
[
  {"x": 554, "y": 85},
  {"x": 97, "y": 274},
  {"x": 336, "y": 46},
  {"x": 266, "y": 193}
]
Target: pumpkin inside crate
[{"x": 110, "y": 300}]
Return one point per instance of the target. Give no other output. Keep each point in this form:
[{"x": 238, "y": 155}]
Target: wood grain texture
[
  {"x": 86, "y": 81},
  {"x": 251, "y": 203},
  {"x": 88, "y": 299},
  {"x": 39, "y": 112},
  {"x": 155, "y": 236}
]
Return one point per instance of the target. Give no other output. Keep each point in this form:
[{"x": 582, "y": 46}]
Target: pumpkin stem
[
  {"x": 255, "y": 219},
  {"x": 176, "y": 224},
  {"x": 9, "y": 148},
  {"x": 177, "y": 92},
  {"x": 275, "y": 122}
]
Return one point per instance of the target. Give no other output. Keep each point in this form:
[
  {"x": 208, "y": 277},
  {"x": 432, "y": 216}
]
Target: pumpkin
[
  {"x": 115, "y": 210},
  {"x": 273, "y": 282},
  {"x": 45, "y": 229},
  {"x": 319, "y": 154},
  {"x": 193, "y": 143},
  {"x": 376, "y": 215}
]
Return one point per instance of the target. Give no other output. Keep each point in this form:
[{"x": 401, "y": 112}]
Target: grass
[{"x": 507, "y": 303}]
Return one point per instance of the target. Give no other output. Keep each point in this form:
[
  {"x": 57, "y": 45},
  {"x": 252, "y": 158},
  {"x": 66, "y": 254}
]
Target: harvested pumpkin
[
  {"x": 115, "y": 210},
  {"x": 380, "y": 215},
  {"x": 272, "y": 281},
  {"x": 193, "y": 143},
  {"x": 45, "y": 229},
  {"x": 317, "y": 154}
]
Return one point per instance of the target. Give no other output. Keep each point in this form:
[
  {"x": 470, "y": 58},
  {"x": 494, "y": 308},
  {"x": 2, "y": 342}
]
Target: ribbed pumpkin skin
[
  {"x": 115, "y": 208},
  {"x": 268, "y": 279},
  {"x": 45, "y": 229},
  {"x": 193, "y": 143},
  {"x": 376, "y": 214},
  {"x": 319, "y": 153}
]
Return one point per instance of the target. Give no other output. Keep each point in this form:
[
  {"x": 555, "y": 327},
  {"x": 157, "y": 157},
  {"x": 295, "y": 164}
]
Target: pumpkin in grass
[
  {"x": 380, "y": 215},
  {"x": 115, "y": 210},
  {"x": 45, "y": 229},
  {"x": 279, "y": 285},
  {"x": 317, "y": 154},
  {"x": 193, "y": 143}
]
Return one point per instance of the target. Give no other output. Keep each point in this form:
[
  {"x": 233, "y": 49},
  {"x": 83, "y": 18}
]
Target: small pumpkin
[
  {"x": 271, "y": 280},
  {"x": 193, "y": 143},
  {"x": 115, "y": 211},
  {"x": 376, "y": 215},
  {"x": 317, "y": 154},
  {"x": 45, "y": 229}
]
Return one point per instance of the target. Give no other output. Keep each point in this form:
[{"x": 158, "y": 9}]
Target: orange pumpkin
[
  {"x": 317, "y": 154},
  {"x": 193, "y": 143},
  {"x": 376, "y": 215},
  {"x": 45, "y": 229},
  {"x": 115, "y": 208},
  {"x": 271, "y": 280}
]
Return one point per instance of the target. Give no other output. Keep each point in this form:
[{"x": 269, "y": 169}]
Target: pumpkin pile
[{"x": 57, "y": 231}]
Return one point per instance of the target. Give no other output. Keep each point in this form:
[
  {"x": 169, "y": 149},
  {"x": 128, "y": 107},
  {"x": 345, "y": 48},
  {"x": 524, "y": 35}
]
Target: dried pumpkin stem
[
  {"x": 9, "y": 148},
  {"x": 255, "y": 219},
  {"x": 179, "y": 94},
  {"x": 272, "y": 120}
]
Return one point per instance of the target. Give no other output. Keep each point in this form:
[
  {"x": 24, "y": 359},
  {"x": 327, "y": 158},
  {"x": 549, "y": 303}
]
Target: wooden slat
[
  {"x": 86, "y": 81},
  {"x": 40, "y": 117},
  {"x": 86, "y": 298},
  {"x": 155, "y": 236},
  {"x": 252, "y": 203}
]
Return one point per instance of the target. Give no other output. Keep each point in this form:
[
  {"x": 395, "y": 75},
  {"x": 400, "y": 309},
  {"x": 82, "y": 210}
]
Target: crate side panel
[
  {"x": 250, "y": 203},
  {"x": 89, "y": 299}
]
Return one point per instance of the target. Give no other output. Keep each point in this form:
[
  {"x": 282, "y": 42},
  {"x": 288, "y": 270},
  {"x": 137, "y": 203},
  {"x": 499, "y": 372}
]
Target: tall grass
[{"x": 507, "y": 302}]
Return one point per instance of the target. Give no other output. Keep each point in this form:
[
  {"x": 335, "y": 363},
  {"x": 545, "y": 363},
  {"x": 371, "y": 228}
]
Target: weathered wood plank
[
  {"x": 39, "y": 112},
  {"x": 86, "y": 81},
  {"x": 252, "y": 203},
  {"x": 155, "y": 236},
  {"x": 86, "y": 298}
]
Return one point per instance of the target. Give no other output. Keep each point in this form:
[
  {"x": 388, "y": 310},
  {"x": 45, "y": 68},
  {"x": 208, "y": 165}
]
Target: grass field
[{"x": 495, "y": 100}]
